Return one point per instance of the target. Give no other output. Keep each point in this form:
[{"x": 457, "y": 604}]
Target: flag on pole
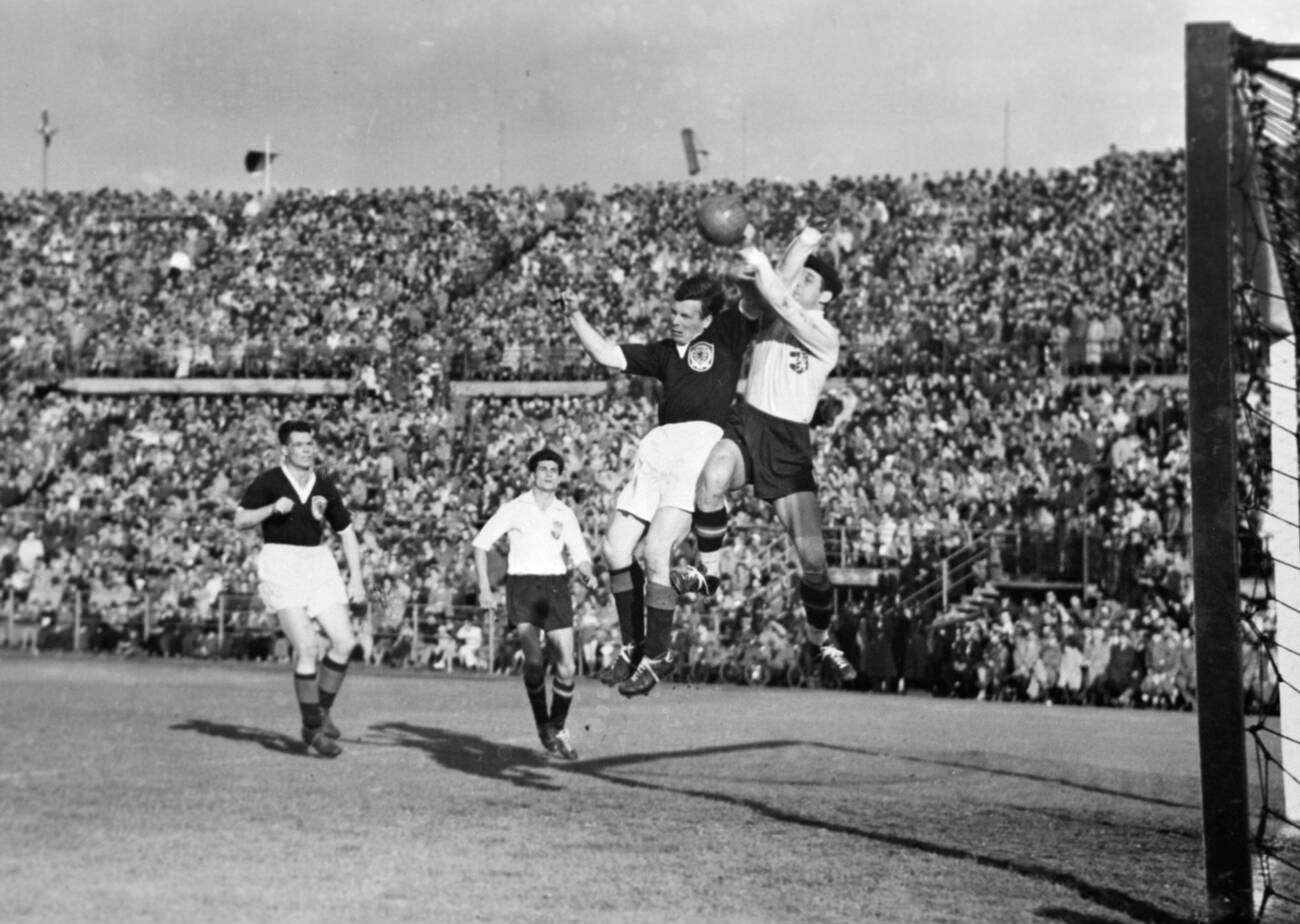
[
  {"x": 258, "y": 160},
  {"x": 692, "y": 151}
]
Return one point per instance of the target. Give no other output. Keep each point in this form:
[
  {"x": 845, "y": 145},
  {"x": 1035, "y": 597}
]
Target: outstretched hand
[
  {"x": 564, "y": 303},
  {"x": 756, "y": 264},
  {"x": 810, "y": 235},
  {"x": 758, "y": 269}
]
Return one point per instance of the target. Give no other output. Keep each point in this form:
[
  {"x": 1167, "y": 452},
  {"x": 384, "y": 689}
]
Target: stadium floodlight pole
[
  {"x": 1212, "y": 427},
  {"x": 47, "y": 133},
  {"x": 744, "y": 145},
  {"x": 1006, "y": 134}
]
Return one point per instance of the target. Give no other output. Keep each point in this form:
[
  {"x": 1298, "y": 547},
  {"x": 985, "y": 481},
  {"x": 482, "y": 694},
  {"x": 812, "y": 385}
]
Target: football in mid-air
[{"x": 722, "y": 219}]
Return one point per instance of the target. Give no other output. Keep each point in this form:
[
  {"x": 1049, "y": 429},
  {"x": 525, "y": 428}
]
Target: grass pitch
[{"x": 161, "y": 791}]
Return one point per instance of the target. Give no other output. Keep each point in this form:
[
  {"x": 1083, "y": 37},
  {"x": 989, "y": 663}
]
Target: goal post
[
  {"x": 1225, "y": 809},
  {"x": 1243, "y": 275}
]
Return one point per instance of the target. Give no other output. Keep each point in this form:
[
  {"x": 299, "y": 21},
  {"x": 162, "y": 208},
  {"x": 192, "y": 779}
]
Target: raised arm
[
  {"x": 796, "y": 252},
  {"x": 753, "y": 304},
  {"x": 598, "y": 346},
  {"x": 814, "y": 334}
]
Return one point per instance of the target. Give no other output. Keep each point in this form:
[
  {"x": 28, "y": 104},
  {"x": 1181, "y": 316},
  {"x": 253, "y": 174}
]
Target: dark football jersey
[
  {"x": 298, "y": 526},
  {"x": 699, "y": 384}
]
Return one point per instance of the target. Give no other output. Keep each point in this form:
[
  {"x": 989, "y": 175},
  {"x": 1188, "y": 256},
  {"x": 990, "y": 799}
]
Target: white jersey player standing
[{"x": 540, "y": 529}]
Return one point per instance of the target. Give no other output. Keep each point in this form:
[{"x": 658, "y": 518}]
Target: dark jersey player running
[{"x": 298, "y": 578}]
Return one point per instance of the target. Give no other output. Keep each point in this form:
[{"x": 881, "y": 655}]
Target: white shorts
[
  {"x": 293, "y": 576},
  {"x": 668, "y": 463}
]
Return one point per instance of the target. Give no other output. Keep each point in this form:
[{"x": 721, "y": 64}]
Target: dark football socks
[
  {"x": 308, "y": 693},
  {"x": 561, "y": 698},
  {"x": 535, "y": 687},
  {"x": 661, "y": 603},
  {"x": 331, "y": 678}
]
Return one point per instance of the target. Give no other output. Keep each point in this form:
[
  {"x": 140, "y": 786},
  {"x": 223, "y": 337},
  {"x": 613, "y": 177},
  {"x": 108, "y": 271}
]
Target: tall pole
[
  {"x": 1225, "y": 808},
  {"x": 47, "y": 133},
  {"x": 1006, "y": 134},
  {"x": 501, "y": 155},
  {"x": 744, "y": 145}
]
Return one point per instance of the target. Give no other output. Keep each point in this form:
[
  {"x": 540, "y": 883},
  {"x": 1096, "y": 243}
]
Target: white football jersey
[
  {"x": 538, "y": 536},
  {"x": 786, "y": 375}
]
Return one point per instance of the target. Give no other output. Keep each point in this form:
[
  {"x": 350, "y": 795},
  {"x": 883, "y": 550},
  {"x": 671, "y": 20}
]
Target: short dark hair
[
  {"x": 293, "y": 426},
  {"x": 545, "y": 454},
  {"x": 702, "y": 288},
  {"x": 831, "y": 281}
]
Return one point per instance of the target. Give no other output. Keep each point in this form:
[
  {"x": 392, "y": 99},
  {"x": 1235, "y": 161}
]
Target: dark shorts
[
  {"x": 778, "y": 453},
  {"x": 541, "y": 599}
]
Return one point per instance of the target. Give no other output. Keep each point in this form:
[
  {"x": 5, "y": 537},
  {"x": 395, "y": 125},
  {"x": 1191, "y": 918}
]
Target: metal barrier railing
[{"x": 554, "y": 362}]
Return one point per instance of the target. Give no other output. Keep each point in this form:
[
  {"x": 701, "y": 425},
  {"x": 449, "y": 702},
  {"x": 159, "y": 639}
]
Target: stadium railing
[{"x": 558, "y": 363}]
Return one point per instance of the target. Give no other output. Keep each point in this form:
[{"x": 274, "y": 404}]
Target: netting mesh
[{"x": 1267, "y": 185}]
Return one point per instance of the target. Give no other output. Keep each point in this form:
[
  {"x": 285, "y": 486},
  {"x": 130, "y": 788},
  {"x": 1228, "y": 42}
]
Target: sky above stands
[{"x": 383, "y": 93}]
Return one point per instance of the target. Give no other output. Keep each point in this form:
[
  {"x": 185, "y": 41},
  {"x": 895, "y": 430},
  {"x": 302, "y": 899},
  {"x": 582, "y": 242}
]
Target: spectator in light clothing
[{"x": 470, "y": 638}]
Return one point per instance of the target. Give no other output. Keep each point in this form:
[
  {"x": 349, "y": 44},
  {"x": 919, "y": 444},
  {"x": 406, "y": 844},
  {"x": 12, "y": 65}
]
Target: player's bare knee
[
  {"x": 565, "y": 672},
  {"x": 711, "y": 487},
  {"x": 658, "y": 564},
  {"x": 617, "y": 556},
  {"x": 341, "y": 648},
  {"x": 305, "y": 657}
]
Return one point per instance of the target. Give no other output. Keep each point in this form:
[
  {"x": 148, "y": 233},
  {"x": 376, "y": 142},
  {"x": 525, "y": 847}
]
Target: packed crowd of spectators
[
  {"x": 958, "y": 419},
  {"x": 126, "y": 501},
  {"x": 1079, "y": 268}
]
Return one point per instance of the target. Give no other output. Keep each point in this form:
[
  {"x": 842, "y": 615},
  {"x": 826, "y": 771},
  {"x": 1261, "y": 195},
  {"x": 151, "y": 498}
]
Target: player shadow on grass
[
  {"x": 471, "y": 754},
  {"x": 1070, "y": 916},
  {"x": 272, "y": 741},
  {"x": 526, "y": 767},
  {"x": 968, "y": 762},
  {"x": 1109, "y": 897}
]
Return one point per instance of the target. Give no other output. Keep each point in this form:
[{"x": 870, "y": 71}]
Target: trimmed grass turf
[{"x": 166, "y": 791}]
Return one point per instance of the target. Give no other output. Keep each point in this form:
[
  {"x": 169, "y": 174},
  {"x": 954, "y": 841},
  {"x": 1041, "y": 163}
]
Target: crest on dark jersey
[{"x": 700, "y": 357}]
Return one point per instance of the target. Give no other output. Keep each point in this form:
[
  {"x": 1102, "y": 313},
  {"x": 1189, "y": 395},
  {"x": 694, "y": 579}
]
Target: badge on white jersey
[
  {"x": 700, "y": 357},
  {"x": 557, "y": 529}
]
